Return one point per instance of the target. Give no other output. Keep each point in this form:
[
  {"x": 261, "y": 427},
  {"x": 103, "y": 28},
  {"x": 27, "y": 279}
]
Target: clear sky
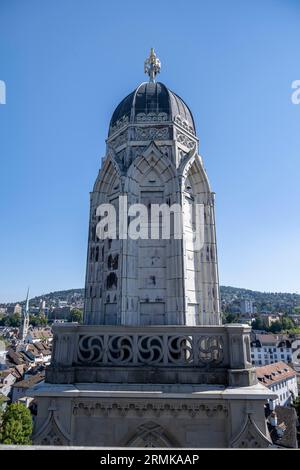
[{"x": 68, "y": 63}]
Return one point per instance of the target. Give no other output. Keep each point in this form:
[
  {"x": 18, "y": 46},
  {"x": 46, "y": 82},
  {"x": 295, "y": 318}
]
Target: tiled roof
[
  {"x": 267, "y": 339},
  {"x": 5, "y": 373},
  {"x": 40, "y": 333},
  {"x": 287, "y": 422},
  {"x": 272, "y": 373},
  {"x": 15, "y": 357},
  {"x": 19, "y": 371},
  {"x": 30, "y": 381}
]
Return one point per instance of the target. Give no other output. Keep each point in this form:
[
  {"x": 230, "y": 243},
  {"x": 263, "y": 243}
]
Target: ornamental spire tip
[{"x": 152, "y": 66}]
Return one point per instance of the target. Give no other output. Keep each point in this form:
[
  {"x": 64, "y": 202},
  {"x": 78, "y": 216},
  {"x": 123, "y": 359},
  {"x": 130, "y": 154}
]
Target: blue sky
[{"x": 67, "y": 64}]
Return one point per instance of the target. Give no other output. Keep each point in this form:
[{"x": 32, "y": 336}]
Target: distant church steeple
[{"x": 25, "y": 319}]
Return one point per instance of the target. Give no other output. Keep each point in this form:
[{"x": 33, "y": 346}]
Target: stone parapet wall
[{"x": 152, "y": 354}]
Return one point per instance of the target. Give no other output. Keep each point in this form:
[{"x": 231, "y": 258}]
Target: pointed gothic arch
[
  {"x": 151, "y": 159},
  {"x": 191, "y": 169},
  {"x": 52, "y": 432},
  {"x": 250, "y": 436},
  {"x": 107, "y": 178},
  {"x": 151, "y": 434}
]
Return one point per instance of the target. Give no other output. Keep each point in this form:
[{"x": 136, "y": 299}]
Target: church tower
[
  {"x": 152, "y": 158},
  {"x": 152, "y": 366},
  {"x": 25, "y": 320}
]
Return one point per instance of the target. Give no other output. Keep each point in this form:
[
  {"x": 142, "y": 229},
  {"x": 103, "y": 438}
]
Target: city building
[
  {"x": 152, "y": 366},
  {"x": 7, "y": 379},
  {"x": 246, "y": 307},
  {"x": 282, "y": 424},
  {"x": 272, "y": 318},
  {"x": 3, "y": 353},
  {"x": 296, "y": 318},
  {"x": 35, "y": 335},
  {"x": 14, "y": 309},
  {"x": 281, "y": 379},
  {"x": 19, "y": 389},
  {"x": 59, "y": 313},
  {"x": 271, "y": 348}
]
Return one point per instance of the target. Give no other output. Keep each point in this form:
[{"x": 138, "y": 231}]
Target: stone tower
[
  {"x": 152, "y": 158},
  {"x": 152, "y": 366}
]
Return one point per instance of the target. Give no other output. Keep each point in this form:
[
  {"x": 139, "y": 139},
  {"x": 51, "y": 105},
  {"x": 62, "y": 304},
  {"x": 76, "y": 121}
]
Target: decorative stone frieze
[
  {"x": 151, "y": 133},
  {"x": 156, "y": 408}
]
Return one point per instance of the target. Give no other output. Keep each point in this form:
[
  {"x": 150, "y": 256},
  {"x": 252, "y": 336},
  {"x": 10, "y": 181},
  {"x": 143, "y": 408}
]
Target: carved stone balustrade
[{"x": 151, "y": 354}]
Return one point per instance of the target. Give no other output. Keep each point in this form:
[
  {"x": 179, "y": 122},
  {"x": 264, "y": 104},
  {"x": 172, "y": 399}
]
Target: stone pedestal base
[{"x": 141, "y": 415}]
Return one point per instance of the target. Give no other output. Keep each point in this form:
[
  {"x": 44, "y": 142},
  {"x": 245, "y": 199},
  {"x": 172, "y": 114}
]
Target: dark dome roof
[{"x": 152, "y": 98}]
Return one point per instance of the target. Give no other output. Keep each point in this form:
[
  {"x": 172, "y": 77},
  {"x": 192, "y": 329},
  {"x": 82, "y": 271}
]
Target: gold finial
[{"x": 152, "y": 66}]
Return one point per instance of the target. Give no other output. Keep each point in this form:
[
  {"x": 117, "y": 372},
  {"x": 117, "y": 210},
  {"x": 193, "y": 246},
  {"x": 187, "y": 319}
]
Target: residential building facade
[
  {"x": 268, "y": 349},
  {"x": 281, "y": 379}
]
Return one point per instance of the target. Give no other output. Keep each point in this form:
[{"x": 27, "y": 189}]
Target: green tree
[
  {"x": 259, "y": 324},
  {"x": 276, "y": 327},
  {"x": 42, "y": 320},
  {"x": 13, "y": 320},
  {"x": 77, "y": 315},
  {"x": 287, "y": 323},
  {"x": 38, "y": 320},
  {"x": 231, "y": 318},
  {"x": 16, "y": 426}
]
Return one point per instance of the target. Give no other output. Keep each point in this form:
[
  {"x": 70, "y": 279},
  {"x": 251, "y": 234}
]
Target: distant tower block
[{"x": 42, "y": 307}]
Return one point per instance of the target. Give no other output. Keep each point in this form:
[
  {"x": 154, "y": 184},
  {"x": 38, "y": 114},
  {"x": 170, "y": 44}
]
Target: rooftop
[
  {"x": 154, "y": 102},
  {"x": 287, "y": 423},
  {"x": 30, "y": 381},
  {"x": 272, "y": 373}
]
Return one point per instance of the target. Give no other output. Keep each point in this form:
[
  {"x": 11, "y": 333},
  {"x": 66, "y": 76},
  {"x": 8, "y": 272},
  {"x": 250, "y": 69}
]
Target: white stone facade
[
  {"x": 286, "y": 391},
  {"x": 261, "y": 356},
  {"x": 142, "y": 282},
  {"x": 151, "y": 416},
  {"x": 270, "y": 348},
  {"x": 280, "y": 379}
]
